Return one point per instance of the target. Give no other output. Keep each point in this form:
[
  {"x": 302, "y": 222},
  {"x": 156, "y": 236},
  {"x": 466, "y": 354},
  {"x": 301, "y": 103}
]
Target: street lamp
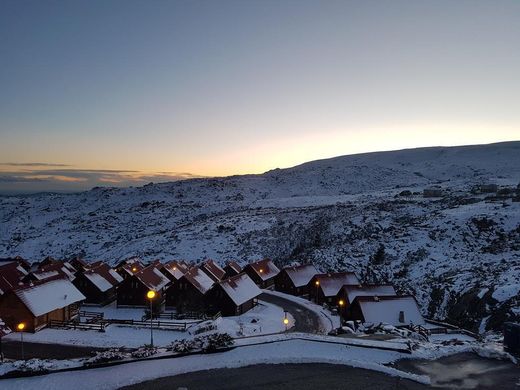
[
  {"x": 285, "y": 320},
  {"x": 341, "y": 304},
  {"x": 151, "y": 295},
  {"x": 317, "y": 283},
  {"x": 20, "y": 327},
  {"x": 134, "y": 269}
]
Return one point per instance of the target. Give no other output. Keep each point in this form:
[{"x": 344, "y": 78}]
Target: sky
[{"x": 108, "y": 92}]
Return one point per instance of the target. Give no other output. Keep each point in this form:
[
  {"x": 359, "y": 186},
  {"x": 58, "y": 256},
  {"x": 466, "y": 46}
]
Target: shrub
[
  {"x": 143, "y": 352},
  {"x": 106, "y": 356},
  {"x": 207, "y": 343}
]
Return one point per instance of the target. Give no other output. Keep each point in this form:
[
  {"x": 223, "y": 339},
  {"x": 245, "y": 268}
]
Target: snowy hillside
[{"x": 459, "y": 253}]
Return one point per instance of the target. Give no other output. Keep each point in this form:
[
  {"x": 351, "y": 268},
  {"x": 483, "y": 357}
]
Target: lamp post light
[
  {"x": 285, "y": 320},
  {"x": 317, "y": 283},
  {"x": 151, "y": 295},
  {"x": 20, "y": 327},
  {"x": 341, "y": 304}
]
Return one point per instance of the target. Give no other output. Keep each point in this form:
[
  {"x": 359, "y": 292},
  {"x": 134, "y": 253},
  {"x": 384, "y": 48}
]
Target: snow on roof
[
  {"x": 152, "y": 278},
  {"x": 42, "y": 275},
  {"x": 387, "y": 310},
  {"x": 353, "y": 291},
  {"x": 132, "y": 268},
  {"x": 199, "y": 279},
  {"x": 99, "y": 281},
  {"x": 115, "y": 275},
  {"x": 213, "y": 270},
  {"x": 300, "y": 275},
  {"x": 265, "y": 269},
  {"x": 63, "y": 268},
  {"x": 234, "y": 266},
  {"x": 176, "y": 268},
  {"x": 240, "y": 288},
  {"x": 331, "y": 283},
  {"x": 44, "y": 298},
  {"x": 10, "y": 276},
  {"x": 107, "y": 273}
]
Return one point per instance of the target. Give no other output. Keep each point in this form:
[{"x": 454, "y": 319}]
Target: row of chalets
[{"x": 54, "y": 290}]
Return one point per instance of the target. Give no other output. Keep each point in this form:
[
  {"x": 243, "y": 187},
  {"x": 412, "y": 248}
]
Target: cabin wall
[
  {"x": 185, "y": 297},
  {"x": 13, "y": 311}
]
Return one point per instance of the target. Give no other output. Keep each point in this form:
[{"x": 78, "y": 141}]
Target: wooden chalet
[
  {"x": 38, "y": 304},
  {"x": 232, "y": 268},
  {"x": 213, "y": 270},
  {"x": 11, "y": 275},
  {"x": 18, "y": 259},
  {"x": 79, "y": 264},
  {"x": 188, "y": 293},
  {"x": 129, "y": 267},
  {"x": 348, "y": 293},
  {"x": 393, "y": 310},
  {"x": 50, "y": 269},
  {"x": 262, "y": 272},
  {"x": 233, "y": 296},
  {"x": 132, "y": 290},
  {"x": 295, "y": 280},
  {"x": 174, "y": 269},
  {"x": 323, "y": 288},
  {"x": 98, "y": 284}
]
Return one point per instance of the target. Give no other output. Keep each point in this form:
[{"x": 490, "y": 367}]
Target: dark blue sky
[{"x": 223, "y": 87}]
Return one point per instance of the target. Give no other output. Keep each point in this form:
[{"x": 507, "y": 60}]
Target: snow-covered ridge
[{"x": 334, "y": 213}]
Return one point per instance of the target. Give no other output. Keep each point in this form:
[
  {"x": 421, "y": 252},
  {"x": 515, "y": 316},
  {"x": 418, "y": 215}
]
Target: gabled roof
[
  {"x": 129, "y": 261},
  {"x": 79, "y": 263},
  {"x": 353, "y": 291},
  {"x": 132, "y": 268},
  {"x": 196, "y": 277},
  {"x": 213, "y": 270},
  {"x": 11, "y": 274},
  {"x": 387, "y": 309},
  {"x": 20, "y": 260},
  {"x": 265, "y": 269},
  {"x": 62, "y": 268},
  {"x": 331, "y": 283},
  {"x": 300, "y": 275},
  {"x": 46, "y": 297},
  {"x": 175, "y": 268},
  {"x": 152, "y": 278},
  {"x": 240, "y": 288},
  {"x": 234, "y": 266},
  {"x": 103, "y": 277}
]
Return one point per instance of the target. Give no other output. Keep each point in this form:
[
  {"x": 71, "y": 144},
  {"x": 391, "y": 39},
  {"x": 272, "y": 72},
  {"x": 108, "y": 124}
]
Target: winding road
[
  {"x": 305, "y": 320},
  {"x": 312, "y": 376}
]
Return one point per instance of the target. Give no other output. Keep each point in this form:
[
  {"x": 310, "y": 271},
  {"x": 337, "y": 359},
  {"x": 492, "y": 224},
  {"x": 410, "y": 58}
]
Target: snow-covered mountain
[{"x": 459, "y": 253}]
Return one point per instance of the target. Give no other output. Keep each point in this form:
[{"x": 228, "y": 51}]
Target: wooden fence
[{"x": 99, "y": 326}]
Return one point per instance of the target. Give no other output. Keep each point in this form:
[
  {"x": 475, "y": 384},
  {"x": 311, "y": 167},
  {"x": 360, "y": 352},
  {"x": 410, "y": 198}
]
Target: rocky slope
[{"x": 458, "y": 253}]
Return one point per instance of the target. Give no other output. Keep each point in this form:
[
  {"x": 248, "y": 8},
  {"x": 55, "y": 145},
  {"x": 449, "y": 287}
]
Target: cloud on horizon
[
  {"x": 32, "y": 164},
  {"x": 20, "y": 181}
]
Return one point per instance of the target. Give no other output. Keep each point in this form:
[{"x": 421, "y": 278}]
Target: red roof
[
  {"x": 108, "y": 273},
  {"x": 11, "y": 275},
  {"x": 213, "y": 270},
  {"x": 132, "y": 268},
  {"x": 234, "y": 266},
  {"x": 176, "y": 268},
  {"x": 265, "y": 269},
  {"x": 199, "y": 279},
  {"x": 332, "y": 282},
  {"x": 152, "y": 278}
]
